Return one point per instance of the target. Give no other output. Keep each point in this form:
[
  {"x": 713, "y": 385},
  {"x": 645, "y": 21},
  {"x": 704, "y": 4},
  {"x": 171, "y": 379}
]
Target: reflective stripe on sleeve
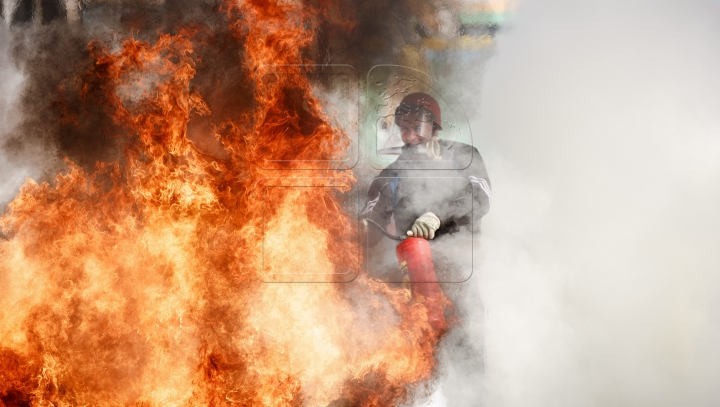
[
  {"x": 370, "y": 205},
  {"x": 482, "y": 183}
]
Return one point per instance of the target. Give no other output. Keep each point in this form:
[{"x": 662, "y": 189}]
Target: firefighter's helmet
[{"x": 420, "y": 106}]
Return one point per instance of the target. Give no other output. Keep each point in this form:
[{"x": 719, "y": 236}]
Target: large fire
[{"x": 157, "y": 280}]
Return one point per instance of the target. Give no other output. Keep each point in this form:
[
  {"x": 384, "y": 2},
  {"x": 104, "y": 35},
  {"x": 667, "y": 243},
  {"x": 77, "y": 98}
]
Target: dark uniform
[{"x": 456, "y": 189}]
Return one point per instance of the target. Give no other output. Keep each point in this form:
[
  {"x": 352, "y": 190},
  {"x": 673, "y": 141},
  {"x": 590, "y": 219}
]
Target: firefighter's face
[{"x": 415, "y": 131}]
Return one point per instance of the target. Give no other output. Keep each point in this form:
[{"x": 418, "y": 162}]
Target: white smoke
[
  {"x": 11, "y": 79},
  {"x": 601, "y": 274}
]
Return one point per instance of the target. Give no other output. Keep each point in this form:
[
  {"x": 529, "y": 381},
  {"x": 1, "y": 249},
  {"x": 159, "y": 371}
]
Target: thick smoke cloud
[
  {"x": 10, "y": 82},
  {"x": 52, "y": 120},
  {"x": 599, "y": 125},
  {"x": 59, "y": 117}
]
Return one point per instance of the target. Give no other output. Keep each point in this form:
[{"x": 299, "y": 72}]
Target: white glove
[{"x": 425, "y": 226}]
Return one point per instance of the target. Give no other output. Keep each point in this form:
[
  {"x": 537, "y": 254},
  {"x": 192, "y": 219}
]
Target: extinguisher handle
[{"x": 385, "y": 232}]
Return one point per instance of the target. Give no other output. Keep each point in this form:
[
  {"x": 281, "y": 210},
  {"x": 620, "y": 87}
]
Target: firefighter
[
  {"x": 438, "y": 190},
  {"x": 435, "y": 187}
]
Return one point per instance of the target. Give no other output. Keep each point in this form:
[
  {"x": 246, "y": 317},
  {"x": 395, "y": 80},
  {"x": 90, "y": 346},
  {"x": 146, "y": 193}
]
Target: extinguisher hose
[{"x": 385, "y": 232}]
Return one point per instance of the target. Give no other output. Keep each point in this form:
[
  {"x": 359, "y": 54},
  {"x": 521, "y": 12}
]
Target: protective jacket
[{"x": 453, "y": 185}]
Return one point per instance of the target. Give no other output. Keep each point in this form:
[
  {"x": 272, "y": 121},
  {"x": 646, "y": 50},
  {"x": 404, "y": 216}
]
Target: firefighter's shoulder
[{"x": 459, "y": 147}]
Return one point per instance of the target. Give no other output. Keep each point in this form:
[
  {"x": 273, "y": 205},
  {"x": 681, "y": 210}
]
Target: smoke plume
[{"x": 599, "y": 124}]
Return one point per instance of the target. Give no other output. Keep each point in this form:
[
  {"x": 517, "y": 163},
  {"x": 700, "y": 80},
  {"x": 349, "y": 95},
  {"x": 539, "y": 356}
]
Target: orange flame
[{"x": 142, "y": 282}]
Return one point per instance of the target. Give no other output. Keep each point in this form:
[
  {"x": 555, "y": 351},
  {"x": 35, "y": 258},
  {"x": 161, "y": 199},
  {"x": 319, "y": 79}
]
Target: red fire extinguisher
[{"x": 414, "y": 255}]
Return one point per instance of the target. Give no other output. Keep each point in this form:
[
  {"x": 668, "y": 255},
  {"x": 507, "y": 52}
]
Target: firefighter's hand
[{"x": 425, "y": 226}]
